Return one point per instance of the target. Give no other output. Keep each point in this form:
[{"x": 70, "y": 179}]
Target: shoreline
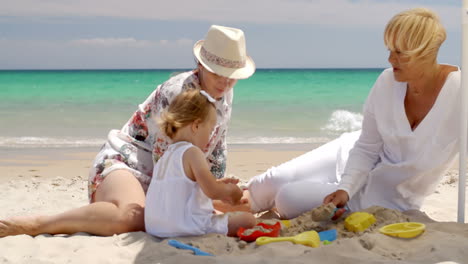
[{"x": 244, "y": 162}]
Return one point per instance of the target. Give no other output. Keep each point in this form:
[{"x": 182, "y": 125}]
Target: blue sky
[{"x": 108, "y": 34}]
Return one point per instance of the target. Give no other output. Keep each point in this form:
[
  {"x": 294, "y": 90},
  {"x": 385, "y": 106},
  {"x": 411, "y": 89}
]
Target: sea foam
[
  {"x": 49, "y": 142},
  {"x": 343, "y": 121}
]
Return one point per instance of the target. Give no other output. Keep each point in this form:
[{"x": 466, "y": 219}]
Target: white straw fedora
[{"x": 223, "y": 52}]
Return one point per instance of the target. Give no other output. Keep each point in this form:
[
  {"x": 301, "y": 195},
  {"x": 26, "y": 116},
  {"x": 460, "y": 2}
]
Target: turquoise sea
[{"x": 68, "y": 108}]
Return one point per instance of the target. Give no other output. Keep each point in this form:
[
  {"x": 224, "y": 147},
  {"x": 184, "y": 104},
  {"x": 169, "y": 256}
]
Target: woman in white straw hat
[{"x": 123, "y": 168}]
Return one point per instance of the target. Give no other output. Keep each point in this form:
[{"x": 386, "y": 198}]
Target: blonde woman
[
  {"x": 179, "y": 199},
  {"x": 123, "y": 168},
  {"x": 409, "y": 134}
]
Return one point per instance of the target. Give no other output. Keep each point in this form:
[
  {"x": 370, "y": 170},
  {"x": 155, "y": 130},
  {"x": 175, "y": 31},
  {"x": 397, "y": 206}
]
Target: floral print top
[
  {"x": 140, "y": 143},
  {"x": 143, "y": 125}
]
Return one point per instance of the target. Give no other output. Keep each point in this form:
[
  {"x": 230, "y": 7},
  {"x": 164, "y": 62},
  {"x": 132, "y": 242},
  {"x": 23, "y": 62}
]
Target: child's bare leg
[
  {"x": 118, "y": 208},
  {"x": 240, "y": 219}
]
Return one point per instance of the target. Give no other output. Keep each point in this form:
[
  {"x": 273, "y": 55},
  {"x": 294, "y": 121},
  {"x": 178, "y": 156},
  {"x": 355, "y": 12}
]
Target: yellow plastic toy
[
  {"x": 359, "y": 221},
  {"x": 405, "y": 230},
  {"x": 286, "y": 223},
  {"x": 309, "y": 238}
]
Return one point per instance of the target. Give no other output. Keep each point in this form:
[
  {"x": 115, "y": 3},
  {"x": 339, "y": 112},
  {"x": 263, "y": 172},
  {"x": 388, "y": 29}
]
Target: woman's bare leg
[{"x": 118, "y": 208}]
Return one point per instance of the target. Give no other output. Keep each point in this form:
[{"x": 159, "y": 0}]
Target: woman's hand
[{"x": 339, "y": 198}]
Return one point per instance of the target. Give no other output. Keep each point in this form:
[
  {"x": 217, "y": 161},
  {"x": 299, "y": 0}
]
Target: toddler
[{"x": 179, "y": 198}]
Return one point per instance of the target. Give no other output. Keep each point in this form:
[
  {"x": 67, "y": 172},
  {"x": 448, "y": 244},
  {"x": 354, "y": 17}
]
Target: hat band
[{"x": 210, "y": 57}]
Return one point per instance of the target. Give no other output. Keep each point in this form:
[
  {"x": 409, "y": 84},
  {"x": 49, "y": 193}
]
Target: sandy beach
[{"x": 49, "y": 181}]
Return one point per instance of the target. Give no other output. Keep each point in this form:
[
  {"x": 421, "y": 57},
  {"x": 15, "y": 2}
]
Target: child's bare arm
[
  {"x": 229, "y": 180},
  {"x": 214, "y": 189}
]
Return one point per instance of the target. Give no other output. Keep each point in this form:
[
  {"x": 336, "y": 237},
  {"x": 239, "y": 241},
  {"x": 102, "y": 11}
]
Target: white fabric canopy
[{"x": 463, "y": 114}]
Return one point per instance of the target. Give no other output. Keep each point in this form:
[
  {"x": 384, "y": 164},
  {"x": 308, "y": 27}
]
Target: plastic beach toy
[
  {"x": 196, "y": 251},
  {"x": 326, "y": 212},
  {"x": 328, "y": 235},
  {"x": 273, "y": 232},
  {"x": 405, "y": 230},
  {"x": 309, "y": 238},
  {"x": 337, "y": 213},
  {"x": 359, "y": 221},
  {"x": 286, "y": 223}
]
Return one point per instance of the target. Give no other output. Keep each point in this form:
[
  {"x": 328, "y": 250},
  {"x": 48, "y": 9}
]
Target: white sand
[{"x": 42, "y": 191}]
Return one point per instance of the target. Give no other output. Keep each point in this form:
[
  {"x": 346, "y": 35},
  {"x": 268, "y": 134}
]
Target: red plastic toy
[{"x": 274, "y": 232}]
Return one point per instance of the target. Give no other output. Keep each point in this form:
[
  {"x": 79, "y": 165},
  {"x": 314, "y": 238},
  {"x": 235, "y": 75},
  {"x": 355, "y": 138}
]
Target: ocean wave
[
  {"x": 49, "y": 142},
  {"x": 70, "y": 142},
  {"x": 276, "y": 140},
  {"x": 343, "y": 121}
]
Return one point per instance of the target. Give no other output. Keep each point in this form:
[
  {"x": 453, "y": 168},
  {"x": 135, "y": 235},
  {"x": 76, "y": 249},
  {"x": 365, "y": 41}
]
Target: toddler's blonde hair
[
  {"x": 186, "y": 107},
  {"x": 416, "y": 33}
]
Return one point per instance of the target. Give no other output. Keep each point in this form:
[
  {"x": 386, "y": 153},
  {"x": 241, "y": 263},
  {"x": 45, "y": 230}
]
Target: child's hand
[
  {"x": 235, "y": 194},
  {"x": 244, "y": 201},
  {"x": 229, "y": 180}
]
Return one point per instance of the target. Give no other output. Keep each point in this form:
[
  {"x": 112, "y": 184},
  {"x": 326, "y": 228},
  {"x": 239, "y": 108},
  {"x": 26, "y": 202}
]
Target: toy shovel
[
  {"x": 196, "y": 251},
  {"x": 309, "y": 238}
]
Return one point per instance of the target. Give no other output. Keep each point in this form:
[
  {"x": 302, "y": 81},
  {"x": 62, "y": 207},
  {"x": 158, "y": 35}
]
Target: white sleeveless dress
[{"x": 176, "y": 205}]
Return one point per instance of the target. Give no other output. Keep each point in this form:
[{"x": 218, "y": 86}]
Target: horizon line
[{"x": 188, "y": 69}]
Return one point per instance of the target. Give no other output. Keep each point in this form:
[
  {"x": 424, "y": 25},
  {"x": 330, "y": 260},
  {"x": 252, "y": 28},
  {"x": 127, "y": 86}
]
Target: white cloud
[
  {"x": 108, "y": 42},
  {"x": 128, "y": 42},
  {"x": 326, "y": 12},
  {"x": 100, "y": 53},
  {"x": 184, "y": 42}
]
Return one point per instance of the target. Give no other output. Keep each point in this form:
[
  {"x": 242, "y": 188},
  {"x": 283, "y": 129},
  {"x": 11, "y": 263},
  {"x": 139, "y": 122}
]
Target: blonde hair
[
  {"x": 186, "y": 107},
  {"x": 416, "y": 33}
]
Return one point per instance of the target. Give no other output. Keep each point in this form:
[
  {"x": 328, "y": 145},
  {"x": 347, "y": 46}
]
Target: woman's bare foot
[{"x": 27, "y": 225}]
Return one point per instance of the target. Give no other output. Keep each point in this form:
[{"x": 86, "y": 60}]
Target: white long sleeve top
[{"x": 392, "y": 165}]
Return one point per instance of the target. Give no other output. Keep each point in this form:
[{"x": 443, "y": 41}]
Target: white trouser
[{"x": 302, "y": 183}]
